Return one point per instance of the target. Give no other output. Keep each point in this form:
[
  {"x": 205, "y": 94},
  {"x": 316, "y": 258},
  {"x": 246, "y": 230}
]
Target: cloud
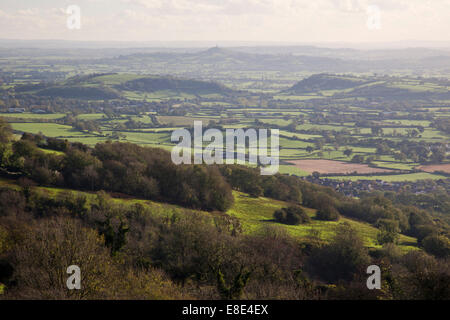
[
  {"x": 261, "y": 20},
  {"x": 31, "y": 22}
]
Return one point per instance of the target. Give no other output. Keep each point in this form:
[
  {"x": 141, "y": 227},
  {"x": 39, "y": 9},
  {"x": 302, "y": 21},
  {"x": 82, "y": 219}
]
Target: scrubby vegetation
[
  {"x": 293, "y": 215},
  {"x": 120, "y": 167}
]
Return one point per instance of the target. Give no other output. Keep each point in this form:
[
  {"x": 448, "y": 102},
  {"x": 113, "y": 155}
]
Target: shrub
[
  {"x": 436, "y": 245},
  {"x": 358, "y": 159},
  {"x": 386, "y": 236},
  {"x": 344, "y": 257},
  {"x": 293, "y": 215},
  {"x": 328, "y": 213},
  {"x": 388, "y": 231}
]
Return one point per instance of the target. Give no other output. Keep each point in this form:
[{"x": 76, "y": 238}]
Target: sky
[{"x": 298, "y": 21}]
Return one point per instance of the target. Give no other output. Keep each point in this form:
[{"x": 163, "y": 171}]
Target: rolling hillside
[
  {"x": 372, "y": 87},
  {"x": 320, "y": 82},
  {"x": 254, "y": 215},
  {"x": 115, "y": 86},
  {"x": 154, "y": 84}
]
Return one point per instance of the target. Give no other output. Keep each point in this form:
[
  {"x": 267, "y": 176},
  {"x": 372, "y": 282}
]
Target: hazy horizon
[{"x": 104, "y": 44}]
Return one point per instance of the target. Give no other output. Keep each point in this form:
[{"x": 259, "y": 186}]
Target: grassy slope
[{"x": 254, "y": 214}]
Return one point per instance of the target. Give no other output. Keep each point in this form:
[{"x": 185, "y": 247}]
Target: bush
[
  {"x": 293, "y": 215},
  {"x": 423, "y": 231},
  {"x": 386, "y": 236},
  {"x": 328, "y": 214},
  {"x": 344, "y": 257},
  {"x": 438, "y": 246},
  {"x": 357, "y": 159},
  {"x": 388, "y": 225},
  {"x": 388, "y": 231}
]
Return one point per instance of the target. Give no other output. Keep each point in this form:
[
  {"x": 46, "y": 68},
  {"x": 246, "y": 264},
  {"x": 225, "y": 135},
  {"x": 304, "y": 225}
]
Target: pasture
[
  {"x": 336, "y": 167},
  {"x": 257, "y": 213},
  {"x": 436, "y": 168}
]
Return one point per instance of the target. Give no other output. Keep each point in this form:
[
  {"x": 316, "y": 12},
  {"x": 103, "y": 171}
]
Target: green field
[
  {"x": 289, "y": 169},
  {"x": 257, "y": 213},
  {"x": 33, "y": 116},
  {"x": 48, "y": 129}
]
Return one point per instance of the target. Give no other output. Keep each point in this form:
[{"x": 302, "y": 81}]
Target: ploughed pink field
[
  {"x": 333, "y": 166},
  {"x": 436, "y": 167}
]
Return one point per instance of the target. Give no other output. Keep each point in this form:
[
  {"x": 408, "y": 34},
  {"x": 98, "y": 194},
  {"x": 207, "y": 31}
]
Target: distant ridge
[
  {"x": 108, "y": 86},
  {"x": 370, "y": 87}
]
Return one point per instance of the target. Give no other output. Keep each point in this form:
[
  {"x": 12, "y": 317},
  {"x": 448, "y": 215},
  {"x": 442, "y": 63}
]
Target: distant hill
[
  {"x": 153, "y": 84},
  {"x": 115, "y": 85},
  {"x": 319, "y": 82},
  {"x": 287, "y": 59},
  {"x": 220, "y": 59},
  {"x": 371, "y": 87}
]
